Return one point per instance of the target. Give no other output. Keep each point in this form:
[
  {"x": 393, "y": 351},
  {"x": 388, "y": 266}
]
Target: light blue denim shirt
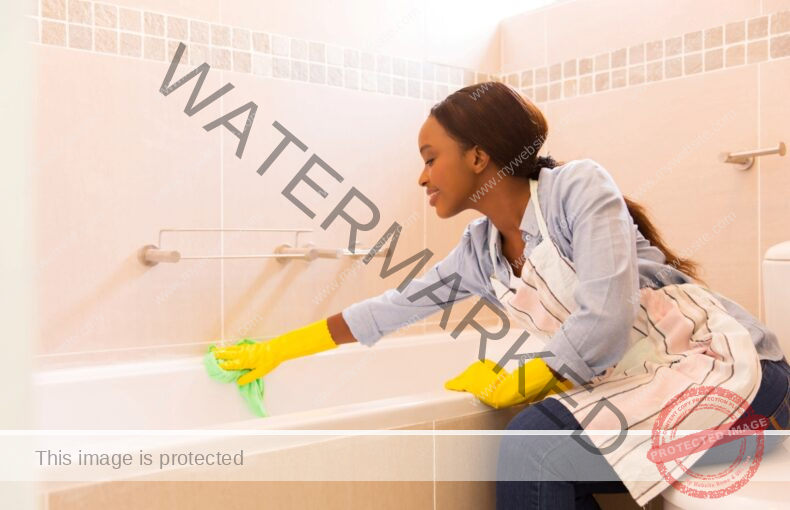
[{"x": 587, "y": 219}]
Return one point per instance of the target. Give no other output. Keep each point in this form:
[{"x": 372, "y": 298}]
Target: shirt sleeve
[
  {"x": 375, "y": 317},
  {"x": 596, "y": 335}
]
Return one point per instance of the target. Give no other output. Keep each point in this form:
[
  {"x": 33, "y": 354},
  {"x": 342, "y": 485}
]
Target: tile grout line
[
  {"x": 425, "y": 110},
  {"x": 759, "y": 198},
  {"x": 433, "y": 427},
  {"x": 759, "y": 183},
  {"x": 546, "y": 43},
  {"x": 222, "y": 201},
  {"x": 143, "y": 348},
  {"x": 66, "y": 21},
  {"x": 501, "y": 37}
]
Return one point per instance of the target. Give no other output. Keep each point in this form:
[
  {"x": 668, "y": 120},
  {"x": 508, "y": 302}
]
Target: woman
[{"x": 580, "y": 266}]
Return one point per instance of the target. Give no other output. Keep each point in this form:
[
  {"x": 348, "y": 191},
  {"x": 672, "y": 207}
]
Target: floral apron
[{"x": 682, "y": 338}]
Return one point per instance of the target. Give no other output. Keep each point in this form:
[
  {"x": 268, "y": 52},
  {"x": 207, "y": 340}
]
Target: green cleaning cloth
[{"x": 252, "y": 393}]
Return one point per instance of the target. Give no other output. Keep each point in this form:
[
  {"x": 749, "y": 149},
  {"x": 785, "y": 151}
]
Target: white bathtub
[{"x": 397, "y": 382}]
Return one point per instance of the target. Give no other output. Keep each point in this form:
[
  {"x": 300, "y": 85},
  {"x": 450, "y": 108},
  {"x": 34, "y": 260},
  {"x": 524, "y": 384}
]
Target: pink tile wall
[
  {"x": 774, "y": 172},
  {"x": 113, "y": 164},
  {"x": 668, "y": 165},
  {"x": 372, "y": 144},
  {"x": 588, "y": 27},
  {"x": 770, "y": 6},
  {"x": 728, "y": 44},
  {"x": 141, "y": 164},
  {"x": 396, "y": 28},
  {"x": 524, "y": 42},
  {"x": 115, "y": 161},
  {"x": 684, "y": 67},
  {"x": 378, "y": 65}
]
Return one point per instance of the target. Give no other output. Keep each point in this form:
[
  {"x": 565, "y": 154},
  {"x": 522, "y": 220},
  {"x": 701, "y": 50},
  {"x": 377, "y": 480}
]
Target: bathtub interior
[{"x": 350, "y": 381}]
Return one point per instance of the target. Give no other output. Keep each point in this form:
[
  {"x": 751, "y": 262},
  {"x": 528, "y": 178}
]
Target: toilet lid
[
  {"x": 764, "y": 492},
  {"x": 779, "y": 252}
]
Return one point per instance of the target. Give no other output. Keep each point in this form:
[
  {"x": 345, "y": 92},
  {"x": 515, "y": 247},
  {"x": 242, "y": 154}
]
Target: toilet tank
[{"x": 776, "y": 289}]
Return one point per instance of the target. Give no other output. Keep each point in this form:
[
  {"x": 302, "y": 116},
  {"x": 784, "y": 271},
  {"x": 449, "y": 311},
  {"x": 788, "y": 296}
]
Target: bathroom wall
[
  {"x": 115, "y": 161},
  {"x": 656, "y": 90}
]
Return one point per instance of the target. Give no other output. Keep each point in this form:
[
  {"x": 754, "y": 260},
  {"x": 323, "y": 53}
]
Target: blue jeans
[{"x": 557, "y": 472}]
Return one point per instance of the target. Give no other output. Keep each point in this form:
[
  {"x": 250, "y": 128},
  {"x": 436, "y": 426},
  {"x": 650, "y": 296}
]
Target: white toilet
[{"x": 763, "y": 495}]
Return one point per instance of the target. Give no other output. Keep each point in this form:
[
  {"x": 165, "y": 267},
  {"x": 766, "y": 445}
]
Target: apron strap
[
  {"x": 492, "y": 235},
  {"x": 544, "y": 230},
  {"x": 499, "y": 288}
]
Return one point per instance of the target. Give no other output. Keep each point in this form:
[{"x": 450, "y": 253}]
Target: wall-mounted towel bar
[
  {"x": 745, "y": 159},
  {"x": 361, "y": 252},
  {"x": 152, "y": 254}
]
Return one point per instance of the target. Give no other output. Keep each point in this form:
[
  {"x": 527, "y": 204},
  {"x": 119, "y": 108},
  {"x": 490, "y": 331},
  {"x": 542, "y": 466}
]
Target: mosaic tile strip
[
  {"x": 133, "y": 33},
  {"x": 738, "y": 43},
  {"x": 112, "y": 30}
]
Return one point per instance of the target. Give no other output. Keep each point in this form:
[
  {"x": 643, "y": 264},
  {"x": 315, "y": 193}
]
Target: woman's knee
[
  {"x": 534, "y": 417},
  {"x": 519, "y": 455},
  {"x": 547, "y": 414}
]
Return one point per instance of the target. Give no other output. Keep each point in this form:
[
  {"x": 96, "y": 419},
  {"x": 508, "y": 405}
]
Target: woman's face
[{"x": 450, "y": 173}]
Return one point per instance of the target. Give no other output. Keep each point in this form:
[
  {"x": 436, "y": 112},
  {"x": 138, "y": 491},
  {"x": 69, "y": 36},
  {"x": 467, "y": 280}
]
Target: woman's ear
[{"x": 479, "y": 159}]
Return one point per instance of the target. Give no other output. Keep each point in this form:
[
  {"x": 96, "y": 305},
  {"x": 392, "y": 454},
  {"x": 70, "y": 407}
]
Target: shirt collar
[{"x": 529, "y": 222}]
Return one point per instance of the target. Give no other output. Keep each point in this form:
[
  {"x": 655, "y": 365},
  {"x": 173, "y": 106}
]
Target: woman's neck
[{"x": 504, "y": 204}]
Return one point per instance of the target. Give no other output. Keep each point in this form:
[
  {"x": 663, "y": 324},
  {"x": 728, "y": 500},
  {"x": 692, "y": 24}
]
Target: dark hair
[{"x": 505, "y": 124}]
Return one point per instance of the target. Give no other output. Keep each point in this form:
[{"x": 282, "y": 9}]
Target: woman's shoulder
[
  {"x": 578, "y": 172},
  {"x": 578, "y": 181},
  {"x": 473, "y": 244},
  {"x": 476, "y": 231},
  {"x": 574, "y": 190}
]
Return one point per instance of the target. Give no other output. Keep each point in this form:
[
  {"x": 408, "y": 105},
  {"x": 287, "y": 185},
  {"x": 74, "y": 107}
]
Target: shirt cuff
[
  {"x": 361, "y": 323},
  {"x": 565, "y": 354}
]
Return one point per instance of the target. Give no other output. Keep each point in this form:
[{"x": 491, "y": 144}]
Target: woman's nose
[{"x": 423, "y": 180}]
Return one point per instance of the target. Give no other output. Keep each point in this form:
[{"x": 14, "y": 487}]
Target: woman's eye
[{"x": 429, "y": 162}]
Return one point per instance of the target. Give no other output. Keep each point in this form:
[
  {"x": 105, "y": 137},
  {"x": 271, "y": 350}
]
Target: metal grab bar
[
  {"x": 309, "y": 252},
  {"x": 361, "y": 252},
  {"x": 151, "y": 254},
  {"x": 296, "y": 231},
  {"x": 746, "y": 158}
]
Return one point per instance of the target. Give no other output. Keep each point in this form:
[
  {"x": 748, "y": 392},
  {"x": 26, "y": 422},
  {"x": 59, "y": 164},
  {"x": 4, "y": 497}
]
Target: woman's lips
[{"x": 433, "y": 196}]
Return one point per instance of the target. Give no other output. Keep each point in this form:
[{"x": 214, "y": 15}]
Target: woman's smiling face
[{"x": 450, "y": 172}]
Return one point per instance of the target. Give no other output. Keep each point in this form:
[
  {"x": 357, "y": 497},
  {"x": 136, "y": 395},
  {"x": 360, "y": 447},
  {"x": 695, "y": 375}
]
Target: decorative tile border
[
  {"x": 134, "y": 33},
  {"x": 749, "y": 41}
]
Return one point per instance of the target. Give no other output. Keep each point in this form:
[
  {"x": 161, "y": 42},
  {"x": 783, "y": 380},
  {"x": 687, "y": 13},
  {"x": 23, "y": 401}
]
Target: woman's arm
[
  {"x": 368, "y": 320},
  {"x": 365, "y": 321},
  {"x": 339, "y": 329}
]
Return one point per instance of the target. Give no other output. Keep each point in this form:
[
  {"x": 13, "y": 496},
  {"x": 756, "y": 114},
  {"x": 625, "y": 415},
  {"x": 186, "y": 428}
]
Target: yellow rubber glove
[
  {"x": 263, "y": 357},
  {"x": 536, "y": 376},
  {"x": 501, "y": 390},
  {"x": 479, "y": 379}
]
